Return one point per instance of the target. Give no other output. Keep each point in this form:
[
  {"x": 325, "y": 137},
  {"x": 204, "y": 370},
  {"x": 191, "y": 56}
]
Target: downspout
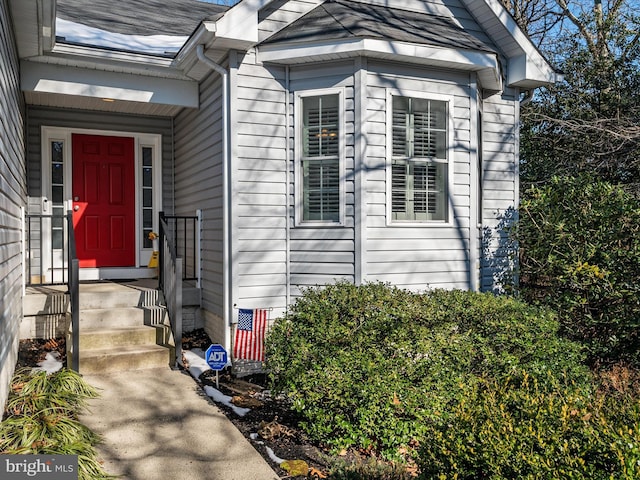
[
  {"x": 226, "y": 197},
  {"x": 475, "y": 218}
]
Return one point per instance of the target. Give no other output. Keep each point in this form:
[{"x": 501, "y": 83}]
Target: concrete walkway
[{"x": 158, "y": 424}]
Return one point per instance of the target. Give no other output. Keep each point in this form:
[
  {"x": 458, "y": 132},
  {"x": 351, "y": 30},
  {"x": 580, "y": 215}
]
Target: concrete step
[
  {"x": 54, "y": 299},
  {"x": 123, "y": 358},
  {"x": 115, "y": 337},
  {"x": 116, "y": 317}
]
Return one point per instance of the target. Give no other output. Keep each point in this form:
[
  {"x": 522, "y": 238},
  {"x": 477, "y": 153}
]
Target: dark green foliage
[
  {"x": 580, "y": 251},
  {"x": 369, "y": 469},
  {"x": 588, "y": 122},
  {"x": 371, "y": 366},
  {"x": 42, "y": 418},
  {"x": 517, "y": 430}
]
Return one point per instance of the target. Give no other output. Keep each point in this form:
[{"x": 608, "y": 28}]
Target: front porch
[
  {"x": 112, "y": 325},
  {"x": 123, "y": 325}
]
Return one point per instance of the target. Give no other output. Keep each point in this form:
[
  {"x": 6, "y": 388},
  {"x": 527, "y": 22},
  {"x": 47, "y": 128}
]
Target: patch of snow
[
  {"x": 197, "y": 364},
  {"x": 219, "y": 397},
  {"x": 274, "y": 457},
  {"x": 151, "y": 44},
  {"x": 50, "y": 364}
]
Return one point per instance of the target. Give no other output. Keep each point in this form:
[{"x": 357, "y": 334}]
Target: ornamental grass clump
[
  {"x": 41, "y": 417},
  {"x": 373, "y": 367}
]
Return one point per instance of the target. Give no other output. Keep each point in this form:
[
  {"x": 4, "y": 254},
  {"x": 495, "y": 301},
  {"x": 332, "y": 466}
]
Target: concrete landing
[{"x": 158, "y": 424}]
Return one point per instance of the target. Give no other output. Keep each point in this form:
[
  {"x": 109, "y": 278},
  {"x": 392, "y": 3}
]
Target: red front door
[{"x": 104, "y": 200}]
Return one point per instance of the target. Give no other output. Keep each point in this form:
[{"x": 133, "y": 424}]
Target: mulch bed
[
  {"x": 268, "y": 424},
  {"x": 270, "y": 419}
]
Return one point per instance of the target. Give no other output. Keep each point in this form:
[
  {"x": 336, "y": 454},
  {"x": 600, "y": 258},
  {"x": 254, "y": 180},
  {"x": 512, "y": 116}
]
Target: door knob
[{"x": 76, "y": 208}]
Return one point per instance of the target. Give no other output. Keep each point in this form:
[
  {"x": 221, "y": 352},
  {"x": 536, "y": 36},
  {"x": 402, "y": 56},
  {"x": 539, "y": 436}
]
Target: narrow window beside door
[
  {"x": 147, "y": 195},
  {"x": 57, "y": 194}
]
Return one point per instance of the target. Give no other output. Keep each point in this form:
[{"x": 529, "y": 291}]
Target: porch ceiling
[{"x": 57, "y": 86}]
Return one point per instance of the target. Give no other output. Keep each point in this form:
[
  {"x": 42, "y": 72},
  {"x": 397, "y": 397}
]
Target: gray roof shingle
[
  {"x": 344, "y": 19},
  {"x": 140, "y": 17}
]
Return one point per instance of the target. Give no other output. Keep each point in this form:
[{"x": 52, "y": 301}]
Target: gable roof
[
  {"x": 339, "y": 29},
  {"x": 79, "y": 71},
  {"x": 340, "y": 19}
]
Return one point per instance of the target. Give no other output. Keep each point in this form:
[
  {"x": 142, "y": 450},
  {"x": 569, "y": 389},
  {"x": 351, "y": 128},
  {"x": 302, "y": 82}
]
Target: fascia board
[
  {"x": 525, "y": 73},
  {"x": 239, "y": 25},
  {"x": 114, "y": 57},
  {"x": 399, "y": 51},
  {"x": 57, "y": 79},
  {"x": 530, "y": 68}
]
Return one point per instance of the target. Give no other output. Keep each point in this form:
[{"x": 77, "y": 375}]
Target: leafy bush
[
  {"x": 371, "y": 366},
  {"x": 516, "y": 430},
  {"x": 42, "y": 418},
  {"x": 580, "y": 255}
]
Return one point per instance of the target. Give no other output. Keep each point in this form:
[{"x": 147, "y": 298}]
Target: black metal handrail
[
  {"x": 74, "y": 294},
  {"x": 57, "y": 270},
  {"x": 62, "y": 271},
  {"x": 170, "y": 281},
  {"x": 184, "y": 238}
]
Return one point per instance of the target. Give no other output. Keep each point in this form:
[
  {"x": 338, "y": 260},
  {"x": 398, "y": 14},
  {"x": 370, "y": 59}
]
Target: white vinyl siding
[
  {"x": 198, "y": 185},
  {"x": 13, "y": 199},
  {"x": 500, "y": 184},
  {"x": 259, "y": 185},
  {"x": 412, "y": 254},
  {"x": 277, "y": 15},
  {"x": 321, "y": 253}
]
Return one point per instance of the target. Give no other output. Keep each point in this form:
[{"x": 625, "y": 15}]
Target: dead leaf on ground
[
  {"x": 314, "y": 472},
  {"x": 245, "y": 401},
  {"x": 273, "y": 429}
]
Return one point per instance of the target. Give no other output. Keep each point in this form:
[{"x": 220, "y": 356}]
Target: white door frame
[{"x": 141, "y": 140}]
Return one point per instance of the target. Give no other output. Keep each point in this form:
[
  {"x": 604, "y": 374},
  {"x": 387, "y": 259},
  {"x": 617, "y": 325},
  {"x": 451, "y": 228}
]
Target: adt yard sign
[{"x": 216, "y": 357}]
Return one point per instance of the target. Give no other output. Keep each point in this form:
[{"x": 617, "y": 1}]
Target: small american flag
[{"x": 248, "y": 343}]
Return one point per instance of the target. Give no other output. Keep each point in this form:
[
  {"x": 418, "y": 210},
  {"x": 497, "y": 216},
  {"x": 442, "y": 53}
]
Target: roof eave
[
  {"x": 34, "y": 26},
  {"x": 527, "y": 68},
  {"x": 485, "y": 63}
]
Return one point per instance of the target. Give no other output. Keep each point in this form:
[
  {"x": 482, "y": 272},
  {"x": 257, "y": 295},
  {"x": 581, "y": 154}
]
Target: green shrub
[
  {"x": 370, "y": 366},
  {"x": 42, "y": 418},
  {"x": 516, "y": 430},
  {"x": 580, "y": 255}
]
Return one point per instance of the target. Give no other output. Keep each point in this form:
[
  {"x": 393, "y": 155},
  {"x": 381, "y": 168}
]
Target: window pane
[
  {"x": 321, "y": 180},
  {"x": 57, "y": 152},
  {"x": 57, "y": 196},
  {"x": 320, "y": 126},
  {"x": 57, "y": 173},
  {"x": 147, "y": 198},
  {"x": 146, "y": 177},
  {"x": 147, "y": 157}
]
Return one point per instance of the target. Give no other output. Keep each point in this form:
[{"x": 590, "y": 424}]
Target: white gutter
[{"x": 226, "y": 198}]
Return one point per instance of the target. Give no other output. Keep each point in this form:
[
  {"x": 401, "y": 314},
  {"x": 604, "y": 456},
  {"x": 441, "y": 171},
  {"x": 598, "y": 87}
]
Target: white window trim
[
  {"x": 49, "y": 134},
  {"x": 298, "y": 171},
  {"x": 449, "y": 99}
]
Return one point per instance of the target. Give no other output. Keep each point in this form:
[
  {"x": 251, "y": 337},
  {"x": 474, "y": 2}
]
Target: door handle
[{"x": 76, "y": 208}]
